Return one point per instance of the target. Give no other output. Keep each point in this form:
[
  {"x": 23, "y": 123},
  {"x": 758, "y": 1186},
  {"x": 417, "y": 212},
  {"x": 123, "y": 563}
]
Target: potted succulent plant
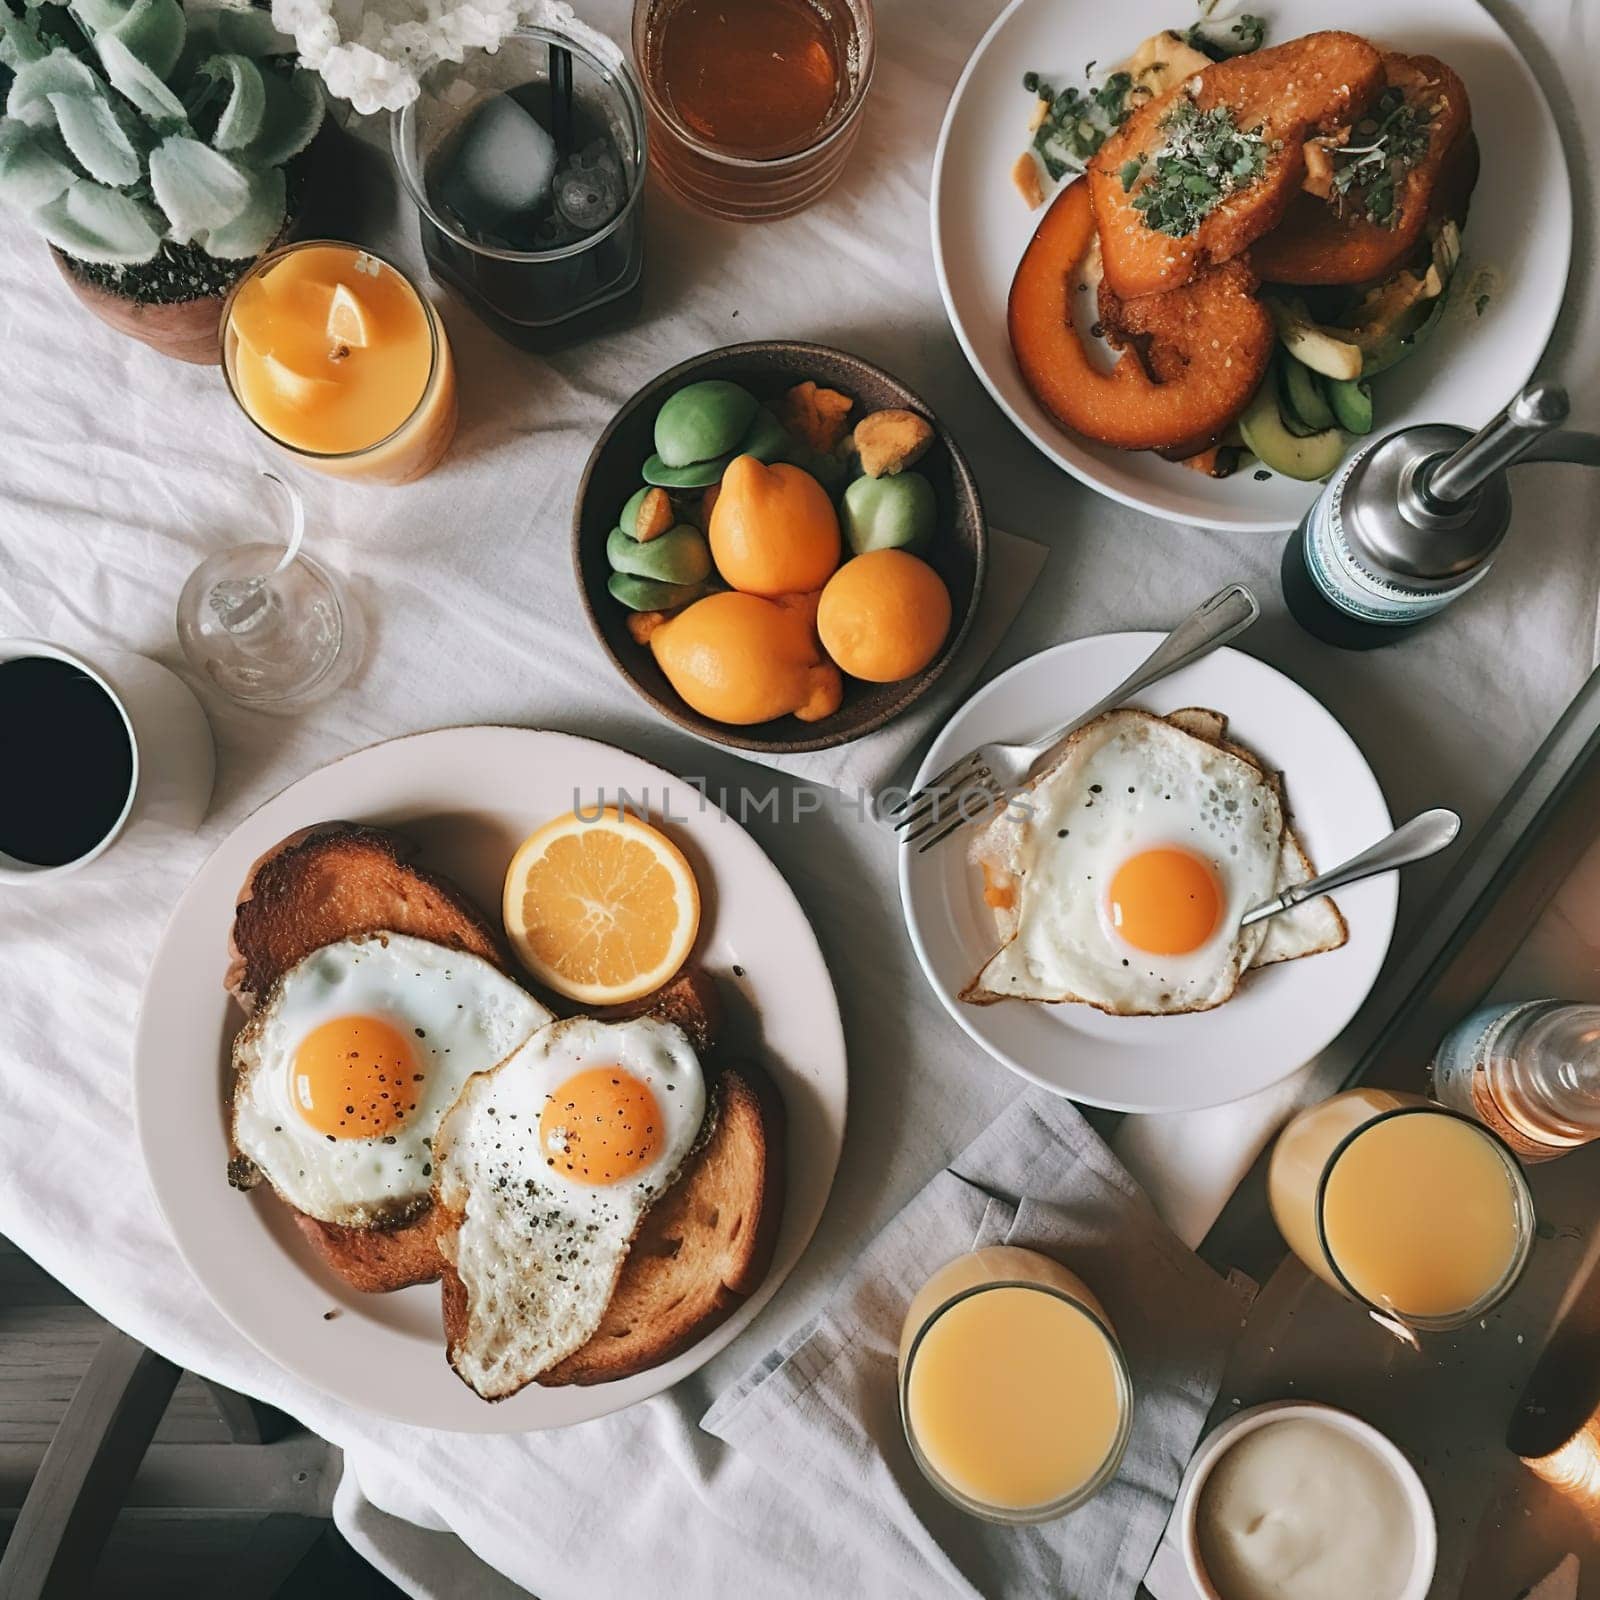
[{"x": 159, "y": 147}]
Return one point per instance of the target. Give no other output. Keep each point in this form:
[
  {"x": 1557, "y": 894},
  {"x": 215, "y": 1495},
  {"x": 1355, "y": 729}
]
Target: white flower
[{"x": 375, "y": 54}]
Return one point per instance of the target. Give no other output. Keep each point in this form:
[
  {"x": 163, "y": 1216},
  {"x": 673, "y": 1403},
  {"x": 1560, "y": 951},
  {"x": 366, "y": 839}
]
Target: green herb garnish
[
  {"x": 1112, "y": 97},
  {"x": 1249, "y": 31},
  {"x": 1206, "y": 157},
  {"x": 1246, "y": 35},
  {"x": 1078, "y": 122},
  {"x": 1384, "y": 146}
]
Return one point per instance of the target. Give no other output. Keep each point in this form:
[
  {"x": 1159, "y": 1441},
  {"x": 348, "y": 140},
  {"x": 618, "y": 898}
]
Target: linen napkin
[
  {"x": 868, "y": 763},
  {"x": 821, "y": 1413}
]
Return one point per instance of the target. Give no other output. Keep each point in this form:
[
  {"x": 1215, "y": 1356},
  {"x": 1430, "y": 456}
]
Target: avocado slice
[
  {"x": 1302, "y": 393},
  {"x": 1308, "y": 459},
  {"x": 1316, "y": 347},
  {"x": 1397, "y": 316},
  {"x": 1351, "y": 405}
]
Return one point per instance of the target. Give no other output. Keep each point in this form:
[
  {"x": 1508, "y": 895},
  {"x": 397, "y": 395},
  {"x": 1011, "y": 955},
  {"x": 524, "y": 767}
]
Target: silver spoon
[{"x": 1426, "y": 834}]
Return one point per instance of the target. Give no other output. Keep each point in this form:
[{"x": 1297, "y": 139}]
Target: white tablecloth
[{"x": 119, "y": 470}]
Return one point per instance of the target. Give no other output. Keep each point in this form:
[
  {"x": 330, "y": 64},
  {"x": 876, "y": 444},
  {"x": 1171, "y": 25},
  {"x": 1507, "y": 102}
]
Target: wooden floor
[{"x": 204, "y": 1515}]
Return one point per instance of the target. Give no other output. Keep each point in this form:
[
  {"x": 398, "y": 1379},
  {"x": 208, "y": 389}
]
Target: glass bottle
[
  {"x": 1529, "y": 1070},
  {"x": 1411, "y": 523}
]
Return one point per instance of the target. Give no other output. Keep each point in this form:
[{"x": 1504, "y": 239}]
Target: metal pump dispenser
[{"x": 1413, "y": 521}]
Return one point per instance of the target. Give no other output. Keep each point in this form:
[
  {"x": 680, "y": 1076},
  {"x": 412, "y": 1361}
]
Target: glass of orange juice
[
  {"x": 333, "y": 354},
  {"x": 1014, "y": 1394},
  {"x": 1417, "y": 1212}
]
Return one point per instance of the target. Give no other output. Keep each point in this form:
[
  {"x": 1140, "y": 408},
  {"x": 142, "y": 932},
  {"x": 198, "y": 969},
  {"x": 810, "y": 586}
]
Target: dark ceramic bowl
[{"x": 767, "y": 369}]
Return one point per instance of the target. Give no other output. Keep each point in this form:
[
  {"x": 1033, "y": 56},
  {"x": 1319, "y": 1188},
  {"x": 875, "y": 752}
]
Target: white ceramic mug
[
  {"x": 1424, "y": 1527},
  {"x": 174, "y": 760}
]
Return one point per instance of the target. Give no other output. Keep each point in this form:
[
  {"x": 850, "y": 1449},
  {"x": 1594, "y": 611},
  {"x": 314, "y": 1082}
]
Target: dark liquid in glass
[
  {"x": 66, "y": 758},
  {"x": 554, "y": 301}
]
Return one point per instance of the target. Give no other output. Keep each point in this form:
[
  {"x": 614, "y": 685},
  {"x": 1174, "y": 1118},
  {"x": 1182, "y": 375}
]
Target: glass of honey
[
  {"x": 1415, "y": 1211},
  {"x": 753, "y": 106},
  {"x": 1014, "y": 1394}
]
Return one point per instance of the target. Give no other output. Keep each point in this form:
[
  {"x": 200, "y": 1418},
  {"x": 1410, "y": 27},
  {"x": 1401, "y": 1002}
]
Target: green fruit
[
  {"x": 697, "y": 475},
  {"x": 1352, "y": 405},
  {"x": 767, "y": 440},
  {"x": 646, "y": 594},
  {"x": 704, "y": 420},
  {"x": 1308, "y": 458},
  {"x": 898, "y": 513},
  {"x": 680, "y": 555},
  {"x": 629, "y": 519}
]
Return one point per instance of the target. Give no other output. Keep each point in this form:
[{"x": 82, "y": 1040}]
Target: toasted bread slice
[
  {"x": 377, "y": 1260},
  {"x": 691, "y": 1000},
  {"x": 1195, "y": 356},
  {"x": 332, "y": 881},
  {"x": 1310, "y": 85},
  {"x": 704, "y": 1247},
  {"x": 1334, "y": 241},
  {"x": 336, "y": 880}
]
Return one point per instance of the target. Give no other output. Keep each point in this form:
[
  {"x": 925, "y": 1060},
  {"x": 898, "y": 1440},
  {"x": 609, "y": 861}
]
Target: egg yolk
[
  {"x": 602, "y": 1125},
  {"x": 355, "y": 1078},
  {"x": 1165, "y": 902}
]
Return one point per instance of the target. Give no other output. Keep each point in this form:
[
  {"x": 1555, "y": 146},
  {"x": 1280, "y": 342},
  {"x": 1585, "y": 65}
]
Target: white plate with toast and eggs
[
  {"x": 341, "y": 1023},
  {"x": 1165, "y": 1014}
]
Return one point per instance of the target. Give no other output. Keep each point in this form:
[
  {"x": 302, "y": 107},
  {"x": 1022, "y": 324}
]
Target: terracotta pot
[
  {"x": 185, "y": 330},
  {"x": 191, "y": 330}
]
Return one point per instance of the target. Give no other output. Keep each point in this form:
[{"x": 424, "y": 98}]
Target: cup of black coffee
[{"x": 113, "y": 750}]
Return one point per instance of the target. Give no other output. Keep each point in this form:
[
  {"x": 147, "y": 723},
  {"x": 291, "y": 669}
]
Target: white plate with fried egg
[
  {"x": 467, "y": 797},
  {"x": 1170, "y": 1011}
]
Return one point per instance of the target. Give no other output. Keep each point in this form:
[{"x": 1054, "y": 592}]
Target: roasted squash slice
[
  {"x": 1334, "y": 241},
  {"x": 1288, "y": 92},
  {"x": 1192, "y": 358}
]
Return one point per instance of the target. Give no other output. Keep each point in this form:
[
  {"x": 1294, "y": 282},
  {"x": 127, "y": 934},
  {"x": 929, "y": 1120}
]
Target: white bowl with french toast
[
  {"x": 334, "y": 1022},
  {"x": 1503, "y": 288},
  {"x": 1255, "y": 737}
]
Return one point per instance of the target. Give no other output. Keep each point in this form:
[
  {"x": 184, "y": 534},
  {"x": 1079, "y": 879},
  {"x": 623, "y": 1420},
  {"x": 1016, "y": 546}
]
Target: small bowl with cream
[{"x": 1300, "y": 1501}]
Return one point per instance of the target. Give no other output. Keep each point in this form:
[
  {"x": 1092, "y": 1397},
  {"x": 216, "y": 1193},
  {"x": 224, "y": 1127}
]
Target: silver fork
[{"x": 988, "y": 774}]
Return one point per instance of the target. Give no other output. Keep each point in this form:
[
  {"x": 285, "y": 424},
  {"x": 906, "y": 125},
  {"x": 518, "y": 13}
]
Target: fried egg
[
  {"x": 344, "y": 1073},
  {"x": 549, "y": 1164},
  {"x": 1120, "y": 877}
]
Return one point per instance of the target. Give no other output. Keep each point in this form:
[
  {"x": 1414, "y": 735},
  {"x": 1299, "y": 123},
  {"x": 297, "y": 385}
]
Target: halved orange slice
[{"x": 601, "y": 909}]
